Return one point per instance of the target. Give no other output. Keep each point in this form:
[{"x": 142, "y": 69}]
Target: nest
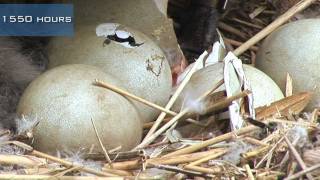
[{"x": 280, "y": 142}]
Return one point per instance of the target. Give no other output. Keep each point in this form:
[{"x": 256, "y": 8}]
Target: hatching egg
[{"x": 135, "y": 60}]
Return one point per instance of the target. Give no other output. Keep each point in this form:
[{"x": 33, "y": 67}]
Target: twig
[
  {"x": 148, "y": 125},
  {"x": 297, "y": 157},
  {"x": 254, "y": 141},
  {"x": 58, "y": 160},
  {"x": 249, "y": 172},
  {"x": 116, "y": 156},
  {"x": 176, "y": 94},
  {"x": 37, "y": 177},
  {"x": 232, "y": 30},
  {"x": 66, "y": 171},
  {"x": 303, "y": 172},
  {"x": 238, "y": 43},
  {"x": 70, "y": 164},
  {"x": 21, "y": 160},
  {"x": 255, "y": 152},
  {"x": 257, "y": 11},
  {"x": 132, "y": 96},
  {"x": 225, "y": 102},
  {"x": 187, "y": 158},
  {"x": 304, "y": 124},
  {"x": 101, "y": 144},
  {"x": 274, "y": 25},
  {"x": 205, "y": 159},
  {"x": 214, "y": 140},
  {"x": 247, "y": 23},
  {"x": 292, "y": 167},
  {"x": 180, "y": 170},
  {"x": 215, "y": 170}
]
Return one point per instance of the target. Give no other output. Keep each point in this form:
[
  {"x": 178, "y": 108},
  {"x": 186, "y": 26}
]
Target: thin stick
[
  {"x": 305, "y": 124},
  {"x": 101, "y": 144},
  {"x": 274, "y": 25},
  {"x": 180, "y": 170},
  {"x": 303, "y": 172},
  {"x": 176, "y": 94},
  {"x": 148, "y": 125},
  {"x": 182, "y": 159},
  {"x": 132, "y": 96},
  {"x": 297, "y": 157},
  {"x": 37, "y": 177},
  {"x": 254, "y": 141},
  {"x": 214, "y": 140},
  {"x": 292, "y": 168},
  {"x": 58, "y": 160},
  {"x": 215, "y": 87},
  {"x": 70, "y": 164},
  {"x": 247, "y": 23},
  {"x": 256, "y": 152},
  {"x": 249, "y": 172},
  {"x": 65, "y": 172},
  {"x": 21, "y": 160},
  {"x": 232, "y": 30},
  {"x": 226, "y": 102},
  {"x": 205, "y": 159},
  {"x": 238, "y": 43},
  {"x": 211, "y": 170}
]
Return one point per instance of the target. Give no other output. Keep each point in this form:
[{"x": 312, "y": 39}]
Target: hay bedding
[{"x": 285, "y": 145}]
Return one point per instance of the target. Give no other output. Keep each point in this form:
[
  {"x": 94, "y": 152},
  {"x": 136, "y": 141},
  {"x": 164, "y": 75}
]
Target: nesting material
[
  {"x": 143, "y": 69},
  {"x": 64, "y": 100},
  {"x": 311, "y": 158},
  {"x": 294, "y": 49},
  {"x": 235, "y": 151},
  {"x": 78, "y": 159}
]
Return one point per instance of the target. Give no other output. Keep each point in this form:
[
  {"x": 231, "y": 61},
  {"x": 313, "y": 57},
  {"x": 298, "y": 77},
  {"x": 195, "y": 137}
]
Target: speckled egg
[{"x": 64, "y": 100}]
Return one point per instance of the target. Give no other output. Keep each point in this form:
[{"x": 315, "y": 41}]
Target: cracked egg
[{"x": 122, "y": 52}]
